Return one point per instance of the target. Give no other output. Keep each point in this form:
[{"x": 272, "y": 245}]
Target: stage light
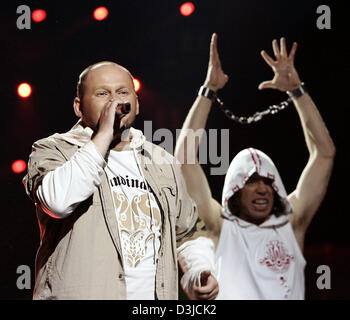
[
  {"x": 24, "y": 90},
  {"x": 18, "y": 166},
  {"x": 187, "y": 9},
  {"x": 100, "y": 13},
  {"x": 38, "y": 15},
  {"x": 137, "y": 84}
]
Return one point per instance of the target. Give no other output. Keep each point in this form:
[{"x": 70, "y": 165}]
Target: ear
[
  {"x": 77, "y": 107},
  {"x": 137, "y": 105}
]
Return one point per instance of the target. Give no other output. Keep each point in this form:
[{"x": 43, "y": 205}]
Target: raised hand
[
  {"x": 216, "y": 78},
  {"x": 109, "y": 121},
  {"x": 286, "y": 77},
  {"x": 108, "y": 128}
]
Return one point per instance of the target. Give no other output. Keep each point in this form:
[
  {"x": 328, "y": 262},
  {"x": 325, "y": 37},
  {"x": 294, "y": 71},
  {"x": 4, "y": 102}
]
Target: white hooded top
[{"x": 257, "y": 262}]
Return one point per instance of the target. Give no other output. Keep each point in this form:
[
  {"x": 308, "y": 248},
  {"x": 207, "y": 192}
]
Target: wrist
[
  {"x": 297, "y": 91},
  {"x": 103, "y": 139},
  {"x": 210, "y": 86},
  {"x": 207, "y": 92}
]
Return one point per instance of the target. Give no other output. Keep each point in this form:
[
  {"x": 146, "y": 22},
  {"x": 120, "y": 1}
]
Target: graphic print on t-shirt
[
  {"x": 139, "y": 227},
  {"x": 278, "y": 260},
  {"x": 277, "y": 257},
  {"x": 135, "y": 220}
]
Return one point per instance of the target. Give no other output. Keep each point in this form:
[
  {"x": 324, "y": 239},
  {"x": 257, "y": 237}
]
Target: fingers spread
[
  {"x": 293, "y": 50},
  {"x": 267, "y": 58},
  {"x": 283, "y": 47},
  {"x": 275, "y": 48},
  {"x": 266, "y": 85}
]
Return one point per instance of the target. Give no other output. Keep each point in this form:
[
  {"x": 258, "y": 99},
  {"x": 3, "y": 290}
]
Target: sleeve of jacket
[
  {"x": 187, "y": 208},
  {"x": 57, "y": 184},
  {"x": 43, "y": 158}
]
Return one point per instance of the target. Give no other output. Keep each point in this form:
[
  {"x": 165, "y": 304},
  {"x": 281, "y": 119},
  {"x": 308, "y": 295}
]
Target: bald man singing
[{"x": 109, "y": 203}]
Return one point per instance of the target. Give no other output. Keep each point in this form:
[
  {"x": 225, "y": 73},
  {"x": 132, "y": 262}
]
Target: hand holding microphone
[
  {"x": 109, "y": 124},
  {"x": 122, "y": 109}
]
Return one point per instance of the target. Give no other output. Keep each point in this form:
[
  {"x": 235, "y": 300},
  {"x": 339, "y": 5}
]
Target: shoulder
[
  {"x": 43, "y": 145},
  {"x": 48, "y": 141},
  {"x": 52, "y": 140},
  {"x": 53, "y": 145}
]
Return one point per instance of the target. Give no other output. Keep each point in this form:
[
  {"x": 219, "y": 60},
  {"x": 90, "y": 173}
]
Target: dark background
[{"x": 169, "y": 54}]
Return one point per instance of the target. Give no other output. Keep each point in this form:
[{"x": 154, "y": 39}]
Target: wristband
[
  {"x": 208, "y": 93},
  {"x": 298, "y": 92}
]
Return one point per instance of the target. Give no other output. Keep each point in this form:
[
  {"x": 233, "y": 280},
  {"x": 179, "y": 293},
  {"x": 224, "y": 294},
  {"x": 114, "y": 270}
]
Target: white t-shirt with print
[{"x": 140, "y": 238}]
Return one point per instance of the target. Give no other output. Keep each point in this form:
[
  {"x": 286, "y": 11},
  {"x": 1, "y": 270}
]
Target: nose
[
  {"x": 115, "y": 98},
  {"x": 261, "y": 187}
]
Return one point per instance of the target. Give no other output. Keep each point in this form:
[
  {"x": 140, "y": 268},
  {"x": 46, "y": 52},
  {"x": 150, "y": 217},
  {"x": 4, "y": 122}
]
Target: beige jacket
[{"x": 80, "y": 256}]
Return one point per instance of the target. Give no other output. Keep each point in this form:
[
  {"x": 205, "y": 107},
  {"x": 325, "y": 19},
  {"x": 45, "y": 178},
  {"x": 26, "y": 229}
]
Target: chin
[
  {"x": 128, "y": 123},
  {"x": 259, "y": 219},
  {"x": 89, "y": 124},
  {"x": 260, "y": 215}
]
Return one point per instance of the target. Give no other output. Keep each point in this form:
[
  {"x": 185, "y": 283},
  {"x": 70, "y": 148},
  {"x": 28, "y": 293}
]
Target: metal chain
[{"x": 257, "y": 116}]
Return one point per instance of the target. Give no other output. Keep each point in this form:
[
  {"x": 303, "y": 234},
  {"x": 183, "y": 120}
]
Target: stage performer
[
  {"x": 258, "y": 230},
  {"x": 110, "y": 205}
]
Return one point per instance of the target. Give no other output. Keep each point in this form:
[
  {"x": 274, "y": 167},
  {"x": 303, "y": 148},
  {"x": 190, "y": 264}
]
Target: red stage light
[
  {"x": 100, "y": 13},
  {"x": 187, "y": 8},
  {"x": 137, "y": 84},
  {"x": 24, "y": 90},
  {"x": 38, "y": 15},
  {"x": 18, "y": 166}
]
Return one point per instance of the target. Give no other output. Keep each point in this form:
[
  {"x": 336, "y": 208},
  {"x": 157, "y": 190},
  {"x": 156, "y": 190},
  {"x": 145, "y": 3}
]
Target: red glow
[
  {"x": 18, "y": 166},
  {"x": 24, "y": 90},
  {"x": 187, "y": 8},
  {"x": 100, "y": 13},
  {"x": 38, "y": 15},
  {"x": 137, "y": 84}
]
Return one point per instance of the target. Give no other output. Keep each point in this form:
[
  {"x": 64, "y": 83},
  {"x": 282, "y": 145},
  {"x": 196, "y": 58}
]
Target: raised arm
[
  {"x": 313, "y": 182},
  {"x": 187, "y": 145}
]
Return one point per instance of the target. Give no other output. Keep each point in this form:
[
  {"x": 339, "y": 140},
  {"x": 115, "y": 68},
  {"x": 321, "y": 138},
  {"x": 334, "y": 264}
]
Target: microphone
[{"x": 124, "y": 107}]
